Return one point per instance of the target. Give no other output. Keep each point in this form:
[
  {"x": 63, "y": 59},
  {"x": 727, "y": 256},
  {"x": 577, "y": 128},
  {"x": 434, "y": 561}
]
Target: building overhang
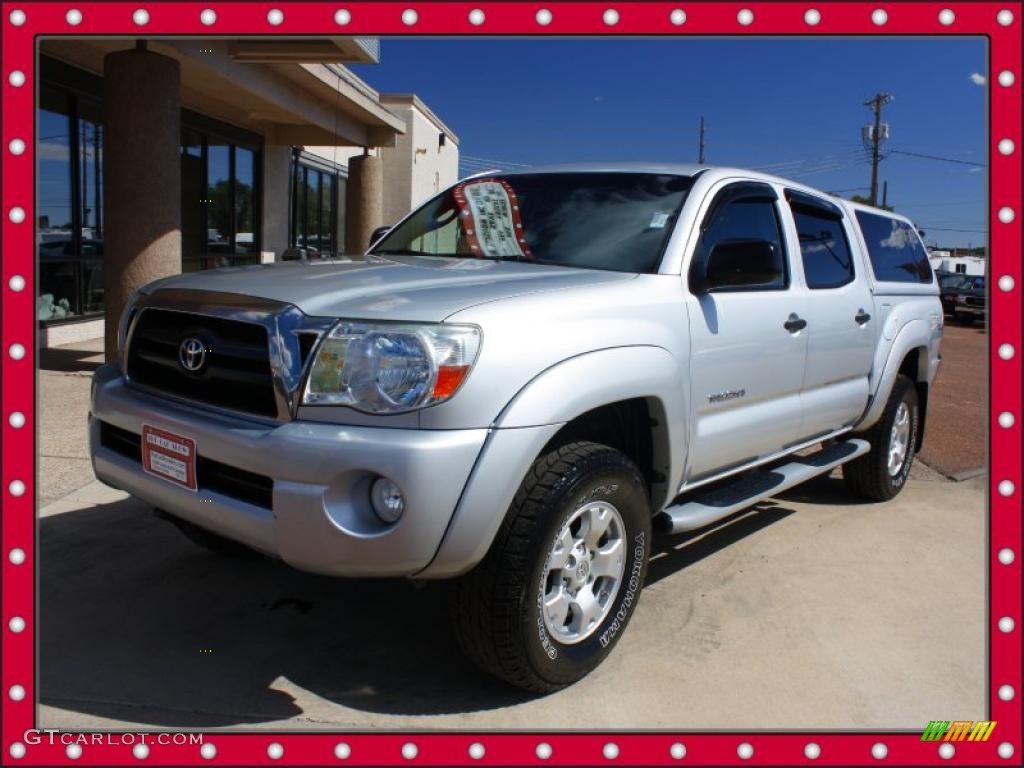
[
  {"x": 413, "y": 101},
  {"x": 342, "y": 50},
  {"x": 288, "y": 101}
]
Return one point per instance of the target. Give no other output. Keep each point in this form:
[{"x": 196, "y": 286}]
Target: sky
[{"x": 789, "y": 106}]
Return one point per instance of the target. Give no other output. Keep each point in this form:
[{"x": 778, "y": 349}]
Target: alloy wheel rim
[
  {"x": 583, "y": 572},
  {"x": 899, "y": 439}
]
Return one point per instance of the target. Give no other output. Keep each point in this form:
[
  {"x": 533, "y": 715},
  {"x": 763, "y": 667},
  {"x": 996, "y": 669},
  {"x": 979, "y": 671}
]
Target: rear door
[
  {"x": 747, "y": 345},
  {"x": 840, "y": 316}
]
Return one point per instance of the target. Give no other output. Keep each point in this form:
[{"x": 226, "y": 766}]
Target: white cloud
[{"x": 977, "y": 78}]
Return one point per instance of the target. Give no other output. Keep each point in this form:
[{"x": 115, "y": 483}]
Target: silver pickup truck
[{"x": 523, "y": 378}]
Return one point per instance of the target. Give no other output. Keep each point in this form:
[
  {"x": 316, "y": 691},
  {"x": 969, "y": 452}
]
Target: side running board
[{"x": 705, "y": 507}]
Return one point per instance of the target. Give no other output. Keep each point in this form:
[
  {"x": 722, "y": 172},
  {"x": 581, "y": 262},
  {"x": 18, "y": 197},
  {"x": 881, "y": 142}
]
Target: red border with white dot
[{"x": 1000, "y": 22}]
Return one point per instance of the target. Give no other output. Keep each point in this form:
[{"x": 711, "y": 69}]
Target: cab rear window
[{"x": 896, "y": 252}]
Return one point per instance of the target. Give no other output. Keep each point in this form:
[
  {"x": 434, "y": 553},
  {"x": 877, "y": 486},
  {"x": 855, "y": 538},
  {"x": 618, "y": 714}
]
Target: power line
[
  {"x": 949, "y": 229},
  {"x": 816, "y": 164},
  {"x": 936, "y": 157},
  {"x": 485, "y": 160},
  {"x": 474, "y": 161},
  {"x": 948, "y": 204},
  {"x": 481, "y": 167}
]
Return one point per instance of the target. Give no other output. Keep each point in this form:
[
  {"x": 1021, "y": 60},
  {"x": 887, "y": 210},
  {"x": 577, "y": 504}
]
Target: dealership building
[{"x": 166, "y": 155}]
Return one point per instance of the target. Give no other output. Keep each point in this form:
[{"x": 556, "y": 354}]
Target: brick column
[
  {"x": 364, "y": 199},
  {"x": 141, "y": 176}
]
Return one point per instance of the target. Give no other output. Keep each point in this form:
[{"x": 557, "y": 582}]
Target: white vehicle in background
[{"x": 523, "y": 378}]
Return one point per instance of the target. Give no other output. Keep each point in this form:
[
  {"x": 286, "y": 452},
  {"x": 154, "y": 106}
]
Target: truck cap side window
[
  {"x": 742, "y": 213},
  {"x": 896, "y": 252},
  {"x": 824, "y": 249}
]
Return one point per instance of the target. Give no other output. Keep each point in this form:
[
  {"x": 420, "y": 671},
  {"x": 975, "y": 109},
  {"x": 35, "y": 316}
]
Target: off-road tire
[
  {"x": 869, "y": 475},
  {"x": 496, "y": 606}
]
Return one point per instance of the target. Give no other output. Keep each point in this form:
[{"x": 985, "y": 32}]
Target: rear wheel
[
  {"x": 881, "y": 473},
  {"x": 563, "y": 576}
]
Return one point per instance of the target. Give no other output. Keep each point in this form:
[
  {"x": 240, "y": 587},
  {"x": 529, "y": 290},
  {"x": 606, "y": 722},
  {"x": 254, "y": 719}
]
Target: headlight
[{"x": 389, "y": 368}]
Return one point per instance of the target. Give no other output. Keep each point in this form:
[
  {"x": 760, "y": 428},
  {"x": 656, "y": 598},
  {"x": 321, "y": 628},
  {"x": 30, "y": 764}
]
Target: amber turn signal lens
[{"x": 449, "y": 377}]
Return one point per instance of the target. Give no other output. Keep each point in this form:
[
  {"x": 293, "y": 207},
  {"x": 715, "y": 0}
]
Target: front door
[{"x": 748, "y": 343}]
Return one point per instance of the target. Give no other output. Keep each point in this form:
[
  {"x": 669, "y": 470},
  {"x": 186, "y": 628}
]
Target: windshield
[
  {"x": 612, "y": 221},
  {"x": 954, "y": 281}
]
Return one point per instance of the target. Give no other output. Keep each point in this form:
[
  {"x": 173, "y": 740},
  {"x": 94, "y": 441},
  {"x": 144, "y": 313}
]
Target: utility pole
[
  {"x": 873, "y": 137},
  {"x": 885, "y": 193},
  {"x": 700, "y": 157}
]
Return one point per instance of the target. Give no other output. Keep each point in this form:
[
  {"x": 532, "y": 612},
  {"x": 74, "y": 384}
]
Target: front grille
[
  {"x": 236, "y": 373},
  {"x": 211, "y": 475},
  {"x": 121, "y": 441},
  {"x": 226, "y": 480},
  {"x": 975, "y": 301}
]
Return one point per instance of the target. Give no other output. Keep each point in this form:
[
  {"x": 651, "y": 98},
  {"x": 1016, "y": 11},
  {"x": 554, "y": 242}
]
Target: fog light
[{"x": 387, "y": 499}]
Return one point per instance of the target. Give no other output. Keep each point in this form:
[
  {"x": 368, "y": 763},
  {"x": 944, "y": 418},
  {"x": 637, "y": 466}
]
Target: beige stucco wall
[
  {"x": 434, "y": 169},
  {"x": 415, "y": 168}
]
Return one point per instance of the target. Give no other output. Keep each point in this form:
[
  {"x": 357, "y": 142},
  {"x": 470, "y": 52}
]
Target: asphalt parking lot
[
  {"x": 955, "y": 441},
  {"x": 811, "y": 610}
]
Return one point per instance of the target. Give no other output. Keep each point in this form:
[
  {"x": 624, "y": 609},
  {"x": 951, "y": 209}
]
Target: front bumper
[
  {"x": 320, "y": 518},
  {"x": 966, "y": 309}
]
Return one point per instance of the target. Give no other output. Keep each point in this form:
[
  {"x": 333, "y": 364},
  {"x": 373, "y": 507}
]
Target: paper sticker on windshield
[
  {"x": 490, "y": 218},
  {"x": 658, "y": 220}
]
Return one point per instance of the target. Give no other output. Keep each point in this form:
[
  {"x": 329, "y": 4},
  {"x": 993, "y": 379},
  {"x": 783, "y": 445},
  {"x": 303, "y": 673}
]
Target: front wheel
[
  {"x": 881, "y": 473},
  {"x": 564, "y": 573}
]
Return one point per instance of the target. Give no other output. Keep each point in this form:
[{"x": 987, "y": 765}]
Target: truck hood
[{"x": 392, "y": 288}]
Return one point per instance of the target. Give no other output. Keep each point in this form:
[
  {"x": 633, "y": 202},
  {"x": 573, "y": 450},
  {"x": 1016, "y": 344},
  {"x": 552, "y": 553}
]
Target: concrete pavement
[
  {"x": 809, "y": 612},
  {"x": 956, "y": 442},
  {"x": 812, "y": 610},
  {"x": 63, "y": 452}
]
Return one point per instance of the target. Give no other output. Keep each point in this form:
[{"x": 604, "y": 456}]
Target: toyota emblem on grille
[{"x": 192, "y": 354}]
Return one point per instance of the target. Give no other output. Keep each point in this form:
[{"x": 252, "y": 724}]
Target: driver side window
[{"x": 747, "y": 219}]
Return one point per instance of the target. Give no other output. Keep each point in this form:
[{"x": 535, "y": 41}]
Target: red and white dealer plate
[{"x": 169, "y": 456}]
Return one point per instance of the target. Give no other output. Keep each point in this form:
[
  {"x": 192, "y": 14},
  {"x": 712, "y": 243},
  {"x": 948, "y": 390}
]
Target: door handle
[
  {"x": 861, "y": 317},
  {"x": 794, "y": 323}
]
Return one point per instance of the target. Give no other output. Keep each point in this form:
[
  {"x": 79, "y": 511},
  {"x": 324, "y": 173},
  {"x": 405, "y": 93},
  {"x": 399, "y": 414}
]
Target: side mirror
[
  {"x": 377, "y": 234},
  {"x": 737, "y": 264}
]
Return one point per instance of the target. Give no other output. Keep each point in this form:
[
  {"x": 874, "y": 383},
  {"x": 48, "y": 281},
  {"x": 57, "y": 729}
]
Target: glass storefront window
[
  {"x": 218, "y": 211},
  {"x": 314, "y": 208},
  {"x": 326, "y": 212},
  {"x": 193, "y": 203},
  {"x": 220, "y": 194},
  {"x": 220, "y": 201},
  {"x": 69, "y": 189},
  {"x": 312, "y": 212},
  {"x": 90, "y": 175},
  {"x": 245, "y": 239}
]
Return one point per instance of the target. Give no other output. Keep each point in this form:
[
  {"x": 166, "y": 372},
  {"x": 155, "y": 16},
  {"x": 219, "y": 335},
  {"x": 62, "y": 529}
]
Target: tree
[{"x": 867, "y": 201}]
